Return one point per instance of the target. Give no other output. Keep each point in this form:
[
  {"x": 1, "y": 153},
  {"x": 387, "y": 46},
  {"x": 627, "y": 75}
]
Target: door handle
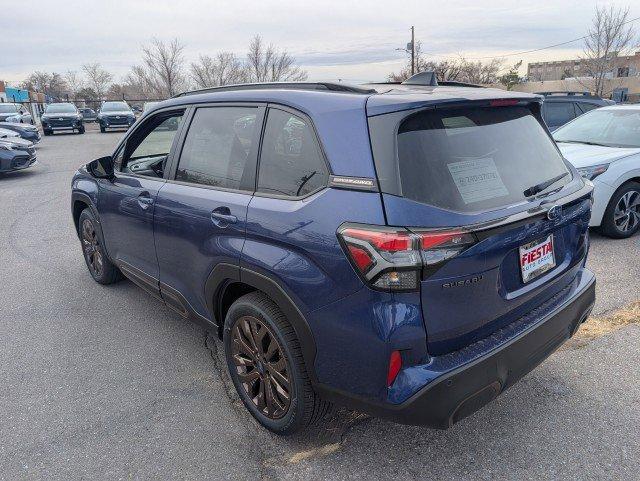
[
  {"x": 222, "y": 217},
  {"x": 144, "y": 200}
]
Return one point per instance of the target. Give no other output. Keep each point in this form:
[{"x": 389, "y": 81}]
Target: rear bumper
[{"x": 462, "y": 391}]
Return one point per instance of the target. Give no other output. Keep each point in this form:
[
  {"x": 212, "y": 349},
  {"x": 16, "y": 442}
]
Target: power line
[{"x": 543, "y": 48}]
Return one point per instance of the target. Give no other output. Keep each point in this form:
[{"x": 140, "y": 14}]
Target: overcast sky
[{"x": 350, "y": 40}]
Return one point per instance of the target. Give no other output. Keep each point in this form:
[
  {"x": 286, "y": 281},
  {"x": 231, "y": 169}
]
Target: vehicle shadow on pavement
[{"x": 558, "y": 420}]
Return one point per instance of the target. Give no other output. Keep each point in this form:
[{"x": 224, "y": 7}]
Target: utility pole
[{"x": 413, "y": 51}]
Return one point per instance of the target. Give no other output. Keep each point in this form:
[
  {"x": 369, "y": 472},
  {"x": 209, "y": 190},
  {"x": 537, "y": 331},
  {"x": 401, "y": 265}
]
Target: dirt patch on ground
[{"x": 600, "y": 325}]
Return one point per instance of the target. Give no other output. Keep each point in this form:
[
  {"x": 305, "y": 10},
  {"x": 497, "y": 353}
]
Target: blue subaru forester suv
[{"x": 407, "y": 251}]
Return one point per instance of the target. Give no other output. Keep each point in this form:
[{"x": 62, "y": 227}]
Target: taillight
[
  {"x": 392, "y": 259},
  {"x": 439, "y": 246}
]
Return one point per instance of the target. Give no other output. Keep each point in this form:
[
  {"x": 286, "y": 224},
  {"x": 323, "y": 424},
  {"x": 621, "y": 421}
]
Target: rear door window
[
  {"x": 219, "y": 143},
  {"x": 471, "y": 159},
  {"x": 558, "y": 113},
  {"x": 291, "y": 162}
]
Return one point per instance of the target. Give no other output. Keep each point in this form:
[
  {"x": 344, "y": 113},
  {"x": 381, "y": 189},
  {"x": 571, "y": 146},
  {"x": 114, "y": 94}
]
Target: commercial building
[{"x": 623, "y": 66}]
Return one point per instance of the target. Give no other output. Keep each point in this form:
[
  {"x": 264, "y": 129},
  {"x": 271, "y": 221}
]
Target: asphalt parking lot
[{"x": 106, "y": 383}]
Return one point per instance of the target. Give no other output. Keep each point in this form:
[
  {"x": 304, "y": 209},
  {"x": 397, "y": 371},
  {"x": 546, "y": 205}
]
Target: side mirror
[{"x": 101, "y": 168}]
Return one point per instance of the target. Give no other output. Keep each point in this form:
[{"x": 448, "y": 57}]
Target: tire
[
  {"x": 102, "y": 129},
  {"x": 99, "y": 265},
  {"x": 622, "y": 216},
  {"x": 255, "y": 316},
  {"x": 81, "y": 129},
  {"x": 47, "y": 132}
]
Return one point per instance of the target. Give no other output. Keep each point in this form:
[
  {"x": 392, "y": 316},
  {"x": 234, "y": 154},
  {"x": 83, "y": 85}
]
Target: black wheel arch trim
[
  {"x": 224, "y": 275},
  {"x": 86, "y": 199}
]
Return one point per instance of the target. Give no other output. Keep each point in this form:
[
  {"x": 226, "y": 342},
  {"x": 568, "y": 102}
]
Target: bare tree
[
  {"x": 480, "y": 72},
  {"x": 609, "y": 36},
  {"x": 458, "y": 69},
  {"x": 161, "y": 73},
  {"x": 267, "y": 64},
  {"x": 98, "y": 79},
  {"x": 49, "y": 83},
  {"x": 224, "y": 69},
  {"x": 74, "y": 82}
]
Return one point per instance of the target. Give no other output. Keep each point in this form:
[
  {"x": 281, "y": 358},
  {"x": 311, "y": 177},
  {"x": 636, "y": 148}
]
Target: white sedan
[{"x": 604, "y": 145}]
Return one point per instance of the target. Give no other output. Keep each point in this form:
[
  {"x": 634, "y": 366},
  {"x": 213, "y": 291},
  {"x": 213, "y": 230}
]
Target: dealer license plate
[{"x": 536, "y": 258}]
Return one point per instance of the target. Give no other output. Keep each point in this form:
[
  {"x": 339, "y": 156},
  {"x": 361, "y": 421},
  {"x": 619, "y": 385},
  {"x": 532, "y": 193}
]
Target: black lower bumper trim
[{"x": 463, "y": 391}]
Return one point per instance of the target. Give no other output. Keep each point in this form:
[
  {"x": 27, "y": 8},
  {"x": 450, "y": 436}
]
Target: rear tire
[
  {"x": 100, "y": 267},
  {"x": 622, "y": 217},
  {"x": 267, "y": 368},
  {"x": 81, "y": 129},
  {"x": 102, "y": 129}
]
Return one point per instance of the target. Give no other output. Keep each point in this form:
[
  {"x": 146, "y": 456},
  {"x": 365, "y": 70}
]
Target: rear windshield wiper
[{"x": 536, "y": 189}]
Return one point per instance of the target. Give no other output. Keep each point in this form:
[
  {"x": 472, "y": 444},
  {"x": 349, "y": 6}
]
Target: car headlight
[
  {"x": 593, "y": 171},
  {"x": 6, "y": 146}
]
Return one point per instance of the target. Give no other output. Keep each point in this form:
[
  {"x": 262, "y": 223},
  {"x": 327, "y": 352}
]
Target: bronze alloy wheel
[
  {"x": 91, "y": 247},
  {"x": 261, "y": 366}
]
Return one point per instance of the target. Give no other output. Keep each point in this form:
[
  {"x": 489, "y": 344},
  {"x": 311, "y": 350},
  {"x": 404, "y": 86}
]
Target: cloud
[{"x": 333, "y": 38}]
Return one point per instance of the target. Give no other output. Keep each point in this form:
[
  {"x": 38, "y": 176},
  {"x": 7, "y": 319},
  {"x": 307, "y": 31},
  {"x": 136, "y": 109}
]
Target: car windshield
[
  {"x": 608, "y": 127},
  {"x": 115, "y": 107},
  {"x": 8, "y": 108},
  {"x": 60, "y": 109}
]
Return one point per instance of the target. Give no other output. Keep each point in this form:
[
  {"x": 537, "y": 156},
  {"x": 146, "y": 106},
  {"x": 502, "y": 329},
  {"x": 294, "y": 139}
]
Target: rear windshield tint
[{"x": 471, "y": 159}]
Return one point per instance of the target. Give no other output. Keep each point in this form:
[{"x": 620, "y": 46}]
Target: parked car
[
  {"x": 115, "y": 115},
  {"x": 16, "y": 154},
  {"x": 562, "y": 107},
  {"x": 63, "y": 116},
  {"x": 8, "y": 134},
  {"x": 391, "y": 249},
  {"x": 88, "y": 115},
  {"x": 604, "y": 145},
  {"x": 26, "y": 131},
  {"x": 11, "y": 112}
]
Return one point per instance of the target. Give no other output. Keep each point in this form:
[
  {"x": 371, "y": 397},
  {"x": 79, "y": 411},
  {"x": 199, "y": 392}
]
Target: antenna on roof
[{"x": 423, "y": 78}]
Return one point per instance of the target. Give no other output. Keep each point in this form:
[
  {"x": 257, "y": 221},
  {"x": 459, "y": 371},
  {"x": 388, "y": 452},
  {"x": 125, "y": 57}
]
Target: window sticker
[{"x": 477, "y": 180}]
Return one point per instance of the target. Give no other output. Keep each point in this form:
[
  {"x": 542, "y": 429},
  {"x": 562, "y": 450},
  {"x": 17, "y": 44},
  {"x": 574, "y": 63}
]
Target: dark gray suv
[{"x": 562, "y": 107}]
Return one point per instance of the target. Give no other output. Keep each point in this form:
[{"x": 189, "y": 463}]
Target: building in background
[
  {"x": 625, "y": 66},
  {"x": 34, "y": 101}
]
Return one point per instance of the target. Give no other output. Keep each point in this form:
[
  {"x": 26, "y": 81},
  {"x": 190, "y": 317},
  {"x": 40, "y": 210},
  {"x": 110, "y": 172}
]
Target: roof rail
[
  {"x": 326, "y": 86},
  {"x": 453, "y": 83},
  {"x": 429, "y": 79},
  {"x": 567, "y": 92}
]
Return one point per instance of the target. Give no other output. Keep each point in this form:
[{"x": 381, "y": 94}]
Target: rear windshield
[{"x": 473, "y": 159}]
